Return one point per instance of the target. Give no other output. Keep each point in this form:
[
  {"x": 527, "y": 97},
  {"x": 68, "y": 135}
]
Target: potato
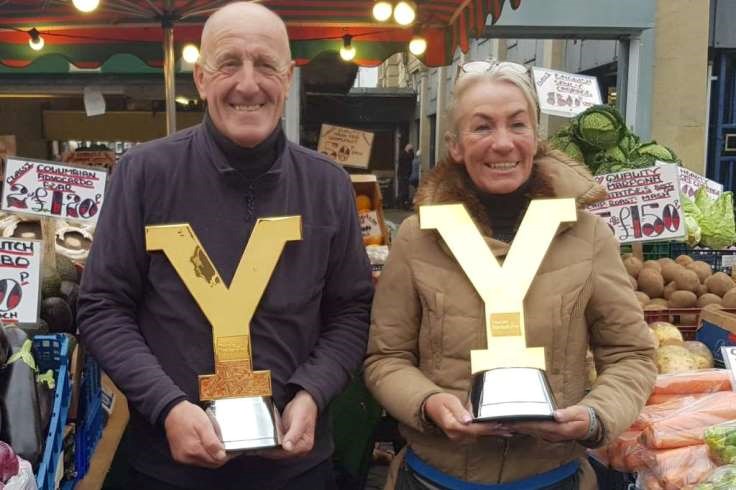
[
  {"x": 683, "y": 260},
  {"x": 686, "y": 280},
  {"x": 674, "y": 359},
  {"x": 729, "y": 299},
  {"x": 665, "y": 261},
  {"x": 650, "y": 282},
  {"x": 709, "y": 299},
  {"x": 667, "y": 333},
  {"x": 682, "y": 299},
  {"x": 659, "y": 301},
  {"x": 669, "y": 271},
  {"x": 702, "y": 269},
  {"x": 702, "y": 353},
  {"x": 652, "y": 264},
  {"x": 719, "y": 283},
  {"x": 669, "y": 289},
  {"x": 702, "y": 289},
  {"x": 633, "y": 266}
]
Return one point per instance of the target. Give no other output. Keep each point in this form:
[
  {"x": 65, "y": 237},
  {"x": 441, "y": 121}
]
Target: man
[
  {"x": 406, "y": 157},
  {"x": 310, "y": 329}
]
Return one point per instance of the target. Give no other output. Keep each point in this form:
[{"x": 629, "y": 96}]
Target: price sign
[
  {"x": 20, "y": 271},
  {"x": 565, "y": 94},
  {"x": 51, "y": 189},
  {"x": 643, "y": 204},
  {"x": 690, "y": 182},
  {"x": 729, "y": 359}
]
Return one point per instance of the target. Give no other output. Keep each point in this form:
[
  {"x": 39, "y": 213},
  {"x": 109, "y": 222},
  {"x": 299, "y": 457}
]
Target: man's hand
[
  {"x": 570, "y": 424},
  {"x": 448, "y": 413},
  {"x": 192, "y": 437},
  {"x": 298, "y": 420}
]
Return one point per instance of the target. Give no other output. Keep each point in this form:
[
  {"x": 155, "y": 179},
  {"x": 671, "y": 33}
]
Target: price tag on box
[{"x": 643, "y": 204}]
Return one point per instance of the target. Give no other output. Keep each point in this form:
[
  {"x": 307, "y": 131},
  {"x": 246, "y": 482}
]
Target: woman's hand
[
  {"x": 448, "y": 413},
  {"x": 570, "y": 424}
]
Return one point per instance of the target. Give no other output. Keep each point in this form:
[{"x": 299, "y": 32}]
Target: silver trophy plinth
[
  {"x": 247, "y": 423},
  {"x": 512, "y": 393}
]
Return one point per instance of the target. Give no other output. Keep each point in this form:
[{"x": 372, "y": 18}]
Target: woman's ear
[{"x": 454, "y": 147}]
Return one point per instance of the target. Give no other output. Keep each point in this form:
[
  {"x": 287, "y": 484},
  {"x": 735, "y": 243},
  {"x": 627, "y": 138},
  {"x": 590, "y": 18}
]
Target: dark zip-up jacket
[{"x": 139, "y": 321}]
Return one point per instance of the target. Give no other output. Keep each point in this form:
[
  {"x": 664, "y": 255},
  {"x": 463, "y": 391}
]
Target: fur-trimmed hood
[{"x": 554, "y": 174}]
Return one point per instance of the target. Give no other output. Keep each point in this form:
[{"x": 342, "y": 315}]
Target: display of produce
[
  {"x": 722, "y": 478},
  {"x": 710, "y": 223},
  {"x": 599, "y": 138},
  {"x": 721, "y": 439}
]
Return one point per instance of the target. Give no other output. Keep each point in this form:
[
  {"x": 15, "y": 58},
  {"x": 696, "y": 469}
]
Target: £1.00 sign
[{"x": 643, "y": 204}]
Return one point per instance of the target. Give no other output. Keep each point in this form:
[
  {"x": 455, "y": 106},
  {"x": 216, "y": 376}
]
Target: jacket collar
[
  {"x": 554, "y": 175},
  {"x": 211, "y": 152}
]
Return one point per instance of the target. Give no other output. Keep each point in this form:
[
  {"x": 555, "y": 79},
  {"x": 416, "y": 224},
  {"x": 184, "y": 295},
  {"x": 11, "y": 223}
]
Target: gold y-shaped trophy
[
  {"x": 508, "y": 377},
  {"x": 239, "y": 398}
]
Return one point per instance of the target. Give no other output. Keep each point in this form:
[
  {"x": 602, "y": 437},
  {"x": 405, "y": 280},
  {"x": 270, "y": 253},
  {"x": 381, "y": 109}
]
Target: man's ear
[{"x": 199, "y": 81}]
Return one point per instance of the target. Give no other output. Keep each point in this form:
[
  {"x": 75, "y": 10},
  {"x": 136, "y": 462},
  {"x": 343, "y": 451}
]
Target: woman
[{"x": 427, "y": 317}]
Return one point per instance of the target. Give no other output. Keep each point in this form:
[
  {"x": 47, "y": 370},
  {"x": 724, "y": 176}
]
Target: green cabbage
[
  {"x": 717, "y": 225},
  {"x": 566, "y": 145},
  {"x": 600, "y": 126},
  {"x": 657, "y": 152}
]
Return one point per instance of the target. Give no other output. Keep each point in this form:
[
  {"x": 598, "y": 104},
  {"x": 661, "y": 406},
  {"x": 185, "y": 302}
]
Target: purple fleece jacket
[{"x": 139, "y": 321}]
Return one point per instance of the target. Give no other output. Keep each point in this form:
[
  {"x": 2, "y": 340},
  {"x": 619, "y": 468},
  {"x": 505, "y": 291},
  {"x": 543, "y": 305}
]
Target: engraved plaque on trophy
[
  {"x": 238, "y": 399},
  {"x": 508, "y": 378}
]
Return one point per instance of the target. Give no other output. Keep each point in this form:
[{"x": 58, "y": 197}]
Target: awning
[{"x": 135, "y": 27}]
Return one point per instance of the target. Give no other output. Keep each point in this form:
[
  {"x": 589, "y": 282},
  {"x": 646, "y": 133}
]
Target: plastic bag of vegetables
[
  {"x": 723, "y": 478},
  {"x": 721, "y": 440}
]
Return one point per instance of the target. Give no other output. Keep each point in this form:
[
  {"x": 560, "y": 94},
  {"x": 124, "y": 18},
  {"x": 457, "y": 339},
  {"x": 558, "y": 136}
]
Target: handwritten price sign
[
  {"x": 642, "y": 205},
  {"x": 52, "y": 189},
  {"x": 20, "y": 270},
  {"x": 565, "y": 94}
]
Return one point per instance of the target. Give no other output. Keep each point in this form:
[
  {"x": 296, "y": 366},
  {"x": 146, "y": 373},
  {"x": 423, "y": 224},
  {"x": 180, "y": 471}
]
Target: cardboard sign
[
  {"x": 20, "y": 272},
  {"x": 690, "y": 182},
  {"x": 92, "y": 158},
  {"x": 729, "y": 359},
  {"x": 565, "y": 94},
  {"x": 643, "y": 204},
  {"x": 52, "y": 189},
  {"x": 349, "y": 147}
]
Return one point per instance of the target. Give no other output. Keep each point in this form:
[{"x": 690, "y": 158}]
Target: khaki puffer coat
[{"x": 427, "y": 317}]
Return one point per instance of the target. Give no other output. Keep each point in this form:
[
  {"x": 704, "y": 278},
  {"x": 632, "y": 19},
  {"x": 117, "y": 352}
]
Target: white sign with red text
[
  {"x": 52, "y": 189},
  {"x": 20, "y": 272},
  {"x": 643, "y": 204}
]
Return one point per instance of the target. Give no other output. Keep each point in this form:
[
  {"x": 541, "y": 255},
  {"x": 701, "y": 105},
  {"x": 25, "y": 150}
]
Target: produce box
[
  {"x": 372, "y": 222},
  {"x": 716, "y": 329},
  {"x": 52, "y": 352}
]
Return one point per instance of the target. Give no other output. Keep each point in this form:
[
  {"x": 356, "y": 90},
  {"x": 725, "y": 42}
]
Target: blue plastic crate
[
  {"x": 52, "y": 352},
  {"x": 90, "y": 417}
]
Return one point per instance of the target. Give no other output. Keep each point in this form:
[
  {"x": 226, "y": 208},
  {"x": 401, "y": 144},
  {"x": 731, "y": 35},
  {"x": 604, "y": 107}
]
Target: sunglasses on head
[{"x": 477, "y": 67}]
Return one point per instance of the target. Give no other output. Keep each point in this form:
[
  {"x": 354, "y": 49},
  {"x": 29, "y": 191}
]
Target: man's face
[{"x": 245, "y": 76}]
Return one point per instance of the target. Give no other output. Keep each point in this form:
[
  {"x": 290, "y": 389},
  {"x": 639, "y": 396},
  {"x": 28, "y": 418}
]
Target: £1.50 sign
[
  {"x": 52, "y": 189},
  {"x": 643, "y": 204}
]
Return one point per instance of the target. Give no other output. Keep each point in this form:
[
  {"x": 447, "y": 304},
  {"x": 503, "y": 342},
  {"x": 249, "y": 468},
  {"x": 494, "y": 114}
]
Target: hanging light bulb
[
  {"x": 86, "y": 5},
  {"x": 190, "y": 53},
  {"x": 417, "y": 45},
  {"x": 382, "y": 10},
  {"x": 405, "y": 12},
  {"x": 36, "y": 41},
  {"x": 347, "y": 52}
]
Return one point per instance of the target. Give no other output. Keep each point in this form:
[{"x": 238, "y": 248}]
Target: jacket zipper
[{"x": 506, "y": 448}]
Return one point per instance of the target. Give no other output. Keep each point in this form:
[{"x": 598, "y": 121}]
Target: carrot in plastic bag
[
  {"x": 676, "y": 469},
  {"x": 702, "y": 381},
  {"x": 647, "y": 481},
  {"x": 686, "y": 426},
  {"x": 653, "y": 413},
  {"x": 623, "y": 452},
  {"x": 660, "y": 398}
]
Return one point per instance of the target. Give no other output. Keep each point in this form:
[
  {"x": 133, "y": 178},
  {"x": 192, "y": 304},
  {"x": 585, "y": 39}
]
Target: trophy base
[
  {"x": 511, "y": 393},
  {"x": 246, "y": 424}
]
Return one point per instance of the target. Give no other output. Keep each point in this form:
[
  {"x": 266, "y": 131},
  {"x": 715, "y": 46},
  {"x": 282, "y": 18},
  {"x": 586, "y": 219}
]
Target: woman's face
[{"x": 495, "y": 136}]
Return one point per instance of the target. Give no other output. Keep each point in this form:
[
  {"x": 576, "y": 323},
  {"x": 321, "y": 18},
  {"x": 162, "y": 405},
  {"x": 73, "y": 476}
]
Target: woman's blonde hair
[{"x": 504, "y": 71}]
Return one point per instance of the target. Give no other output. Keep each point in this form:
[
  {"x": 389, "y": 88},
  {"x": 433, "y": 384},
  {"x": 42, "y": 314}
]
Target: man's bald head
[{"x": 246, "y": 16}]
